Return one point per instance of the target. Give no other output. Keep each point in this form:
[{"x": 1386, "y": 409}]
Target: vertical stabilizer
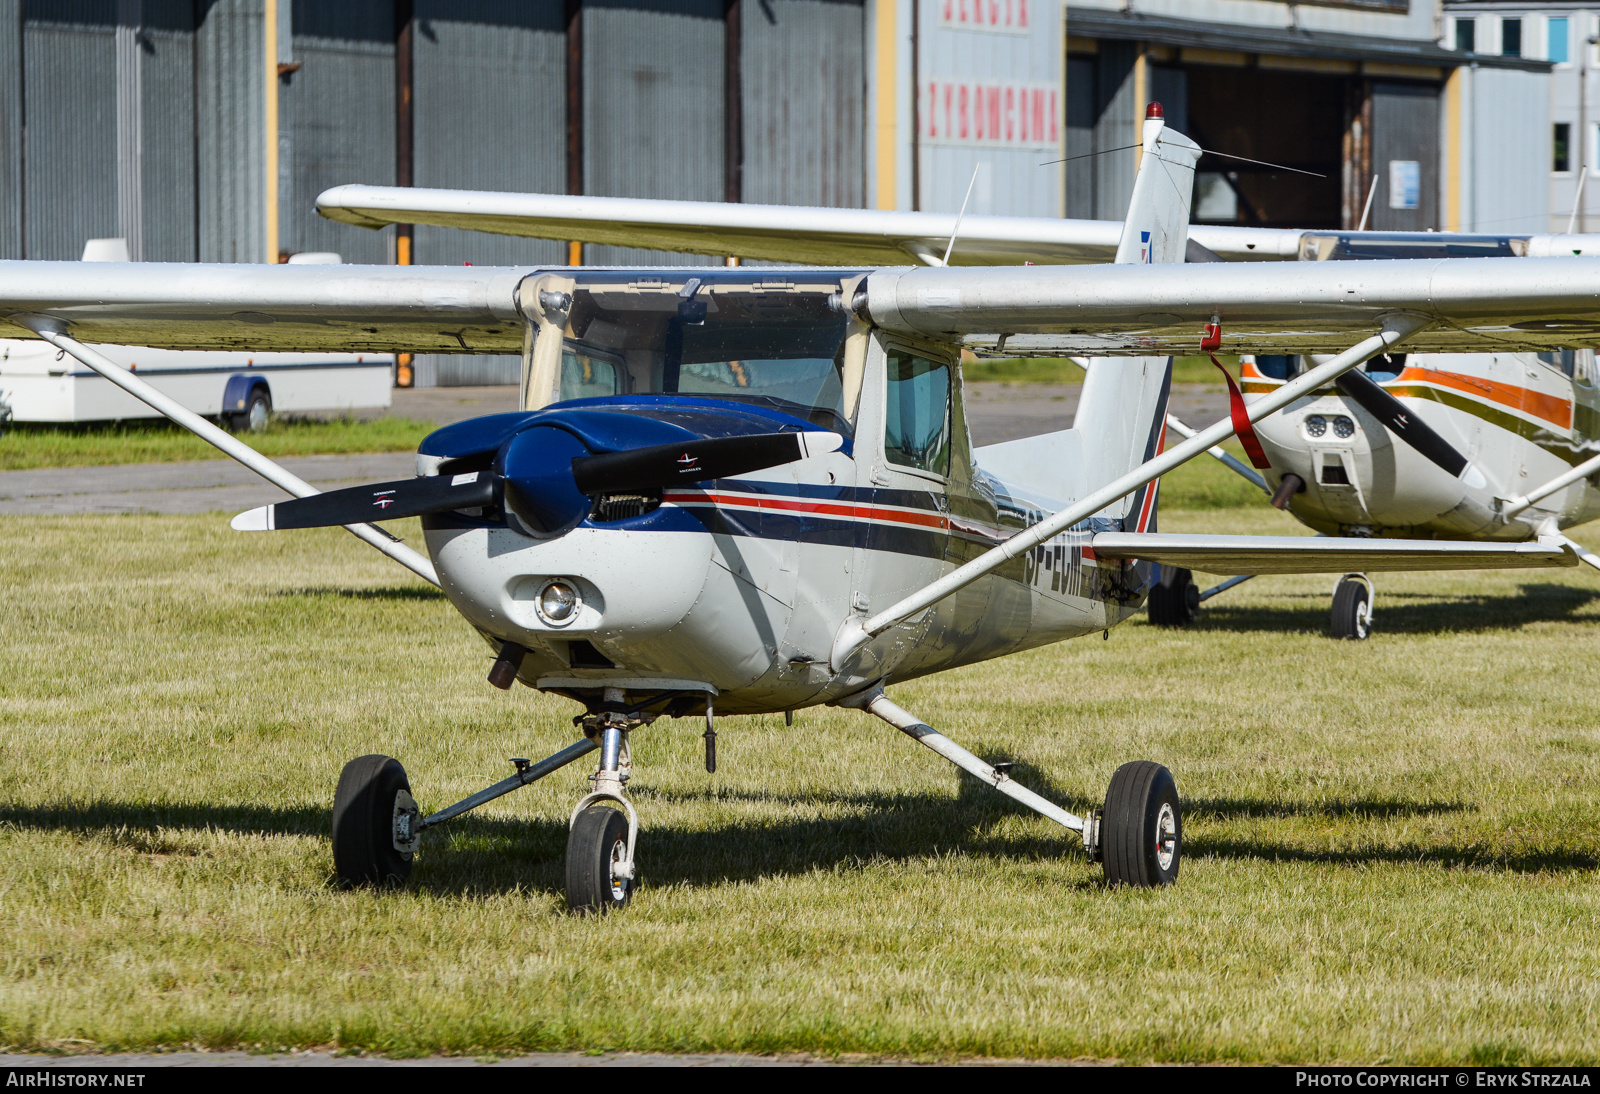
[
  {"x": 1157, "y": 227},
  {"x": 1123, "y": 410}
]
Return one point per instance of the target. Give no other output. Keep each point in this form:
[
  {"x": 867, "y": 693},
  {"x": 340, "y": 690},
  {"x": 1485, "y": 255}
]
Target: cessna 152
[
  {"x": 751, "y": 490},
  {"x": 1480, "y": 430}
]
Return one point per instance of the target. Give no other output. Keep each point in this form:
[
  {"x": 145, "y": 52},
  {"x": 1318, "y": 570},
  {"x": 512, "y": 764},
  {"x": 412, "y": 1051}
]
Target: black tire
[
  {"x": 1352, "y": 612},
  {"x": 257, "y": 410},
  {"x": 1141, "y": 834},
  {"x": 1174, "y": 599},
  {"x": 364, "y": 823},
  {"x": 598, "y": 838}
]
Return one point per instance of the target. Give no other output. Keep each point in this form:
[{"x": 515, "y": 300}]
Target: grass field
[
  {"x": 1390, "y": 848},
  {"x": 26, "y": 445}
]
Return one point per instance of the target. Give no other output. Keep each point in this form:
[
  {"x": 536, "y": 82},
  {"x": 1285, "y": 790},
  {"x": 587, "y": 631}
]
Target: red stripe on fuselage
[{"x": 848, "y": 510}]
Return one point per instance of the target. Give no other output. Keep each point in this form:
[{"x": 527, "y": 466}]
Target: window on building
[
  {"x": 1556, "y": 40},
  {"x": 1467, "y": 35},
  {"x": 1511, "y": 37},
  {"x": 1561, "y": 159}
]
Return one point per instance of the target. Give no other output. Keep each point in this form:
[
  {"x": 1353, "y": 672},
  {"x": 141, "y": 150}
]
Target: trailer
[{"x": 40, "y": 384}]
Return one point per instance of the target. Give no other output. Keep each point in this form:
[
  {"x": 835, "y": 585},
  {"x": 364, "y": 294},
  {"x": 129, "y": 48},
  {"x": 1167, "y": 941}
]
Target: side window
[
  {"x": 1563, "y": 359},
  {"x": 585, "y": 377},
  {"x": 916, "y": 429}
]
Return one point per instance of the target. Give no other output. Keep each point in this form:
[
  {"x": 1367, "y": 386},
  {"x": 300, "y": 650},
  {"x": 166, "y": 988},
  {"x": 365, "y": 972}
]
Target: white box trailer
[{"x": 38, "y": 383}]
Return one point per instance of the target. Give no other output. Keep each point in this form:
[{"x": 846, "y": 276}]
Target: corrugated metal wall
[
  {"x": 10, "y": 128},
  {"x": 1083, "y": 110},
  {"x": 804, "y": 85},
  {"x": 1405, "y": 127},
  {"x": 70, "y": 139},
  {"x": 652, "y": 108},
  {"x": 489, "y": 80},
  {"x": 1114, "y": 128},
  {"x": 337, "y": 113},
  {"x": 230, "y": 155},
  {"x": 166, "y": 50}
]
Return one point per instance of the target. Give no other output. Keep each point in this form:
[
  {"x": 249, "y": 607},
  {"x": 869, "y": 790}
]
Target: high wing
[
  {"x": 1309, "y": 307},
  {"x": 186, "y": 305},
  {"x": 1323, "y": 554},
  {"x": 873, "y": 237},
  {"x": 1468, "y": 304},
  {"x": 775, "y": 233}
]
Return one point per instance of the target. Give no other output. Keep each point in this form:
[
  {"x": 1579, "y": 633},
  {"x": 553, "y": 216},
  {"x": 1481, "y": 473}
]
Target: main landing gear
[
  {"x": 1175, "y": 600},
  {"x": 377, "y": 825},
  {"x": 1137, "y": 838}
]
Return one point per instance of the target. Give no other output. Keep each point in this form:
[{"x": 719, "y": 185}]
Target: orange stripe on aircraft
[{"x": 1553, "y": 409}]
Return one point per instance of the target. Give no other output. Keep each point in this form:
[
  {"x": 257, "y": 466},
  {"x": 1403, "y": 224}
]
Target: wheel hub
[{"x": 1166, "y": 836}]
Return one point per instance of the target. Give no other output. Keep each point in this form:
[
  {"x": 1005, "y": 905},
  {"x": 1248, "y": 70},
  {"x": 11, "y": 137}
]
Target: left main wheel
[
  {"x": 371, "y": 807},
  {"x": 596, "y": 846}
]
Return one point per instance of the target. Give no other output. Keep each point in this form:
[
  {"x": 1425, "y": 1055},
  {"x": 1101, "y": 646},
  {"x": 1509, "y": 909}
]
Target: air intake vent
[
  {"x": 613, "y": 507},
  {"x": 583, "y": 655}
]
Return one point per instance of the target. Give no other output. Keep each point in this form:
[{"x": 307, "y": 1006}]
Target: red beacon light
[{"x": 1154, "y": 111}]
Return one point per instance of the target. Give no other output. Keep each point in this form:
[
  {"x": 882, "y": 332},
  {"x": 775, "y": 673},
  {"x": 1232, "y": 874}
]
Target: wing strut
[
  {"x": 1513, "y": 506},
  {"x": 857, "y": 632},
  {"x": 52, "y": 330}
]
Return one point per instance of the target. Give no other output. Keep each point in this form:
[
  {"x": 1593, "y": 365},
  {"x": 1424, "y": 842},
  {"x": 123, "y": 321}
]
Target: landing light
[
  {"x": 1316, "y": 425},
  {"x": 1343, "y": 427},
  {"x": 558, "y": 603}
]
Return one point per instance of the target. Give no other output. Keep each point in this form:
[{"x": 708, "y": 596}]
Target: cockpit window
[{"x": 774, "y": 341}]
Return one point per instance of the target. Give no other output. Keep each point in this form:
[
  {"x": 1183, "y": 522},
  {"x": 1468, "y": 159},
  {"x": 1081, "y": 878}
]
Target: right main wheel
[
  {"x": 596, "y": 846},
  {"x": 371, "y": 805},
  {"x": 1352, "y": 610},
  {"x": 1141, "y": 833},
  {"x": 1174, "y": 599}
]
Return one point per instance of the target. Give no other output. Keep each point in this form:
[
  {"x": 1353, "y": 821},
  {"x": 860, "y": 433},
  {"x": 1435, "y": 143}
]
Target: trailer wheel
[{"x": 253, "y": 419}]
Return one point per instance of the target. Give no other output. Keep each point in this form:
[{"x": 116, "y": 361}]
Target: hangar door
[
  {"x": 1405, "y": 156},
  {"x": 802, "y": 103},
  {"x": 336, "y": 122},
  {"x": 652, "y": 109},
  {"x": 489, "y": 78}
]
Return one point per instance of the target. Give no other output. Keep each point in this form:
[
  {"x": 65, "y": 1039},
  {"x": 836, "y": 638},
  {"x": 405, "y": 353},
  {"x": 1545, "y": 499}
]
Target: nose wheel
[
  {"x": 599, "y": 867},
  {"x": 1352, "y": 608}
]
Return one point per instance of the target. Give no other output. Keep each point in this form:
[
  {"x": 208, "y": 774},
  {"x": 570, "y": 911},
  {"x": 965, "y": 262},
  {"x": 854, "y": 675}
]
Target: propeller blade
[
  {"x": 1407, "y": 426},
  {"x": 695, "y": 461},
  {"x": 375, "y": 501}
]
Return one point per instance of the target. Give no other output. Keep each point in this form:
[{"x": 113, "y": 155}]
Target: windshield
[{"x": 774, "y": 340}]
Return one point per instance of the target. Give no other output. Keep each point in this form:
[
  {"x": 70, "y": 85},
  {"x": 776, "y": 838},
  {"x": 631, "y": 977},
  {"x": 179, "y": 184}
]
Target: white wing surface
[
  {"x": 1469, "y": 304},
  {"x": 1325, "y": 554},
  {"x": 774, "y": 233},
  {"x": 182, "y": 305},
  {"x": 1303, "y": 307}
]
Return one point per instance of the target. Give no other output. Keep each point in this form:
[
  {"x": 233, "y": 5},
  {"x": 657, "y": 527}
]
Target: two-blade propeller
[
  {"x": 1408, "y": 427},
  {"x": 637, "y": 471}
]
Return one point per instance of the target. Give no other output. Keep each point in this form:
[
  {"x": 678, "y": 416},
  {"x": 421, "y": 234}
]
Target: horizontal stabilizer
[{"x": 1325, "y": 554}]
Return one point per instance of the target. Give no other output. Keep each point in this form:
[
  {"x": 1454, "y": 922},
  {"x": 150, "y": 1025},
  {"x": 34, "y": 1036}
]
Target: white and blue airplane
[{"x": 749, "y": 490}]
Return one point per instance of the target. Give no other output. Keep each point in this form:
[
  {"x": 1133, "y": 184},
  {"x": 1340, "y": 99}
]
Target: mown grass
[
  {"x": 29, "y": 444},
  {"x": 1059, "y": 370},
  {"x": 1390, "y": 845}
]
